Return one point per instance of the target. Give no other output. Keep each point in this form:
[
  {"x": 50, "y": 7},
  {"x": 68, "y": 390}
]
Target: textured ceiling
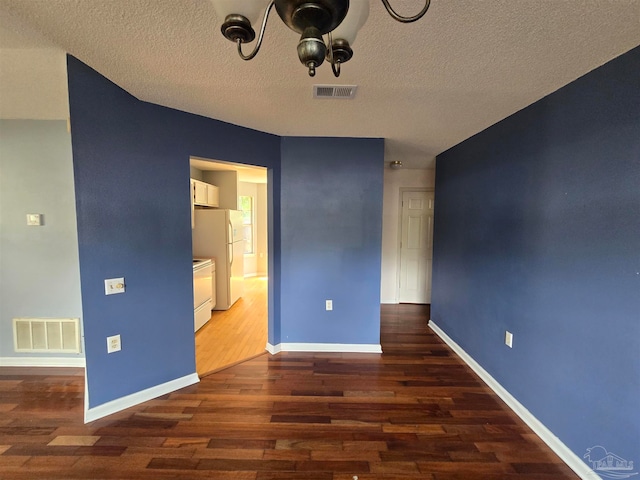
[{"x": 424, "y": 87}]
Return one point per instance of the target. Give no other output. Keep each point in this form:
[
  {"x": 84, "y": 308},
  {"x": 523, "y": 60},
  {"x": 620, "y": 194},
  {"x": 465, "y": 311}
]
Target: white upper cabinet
[
  {"x": 204, "y": 194},
  {"x": 200, "y": 197},
  {"x": 213, "y": 196}
]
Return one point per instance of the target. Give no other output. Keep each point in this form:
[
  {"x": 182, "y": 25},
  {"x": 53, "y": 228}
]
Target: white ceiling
[{"x": 424, "y": 87}]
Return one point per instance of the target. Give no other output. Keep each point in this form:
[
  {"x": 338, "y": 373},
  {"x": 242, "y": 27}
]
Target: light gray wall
[
  {"x": 195, "y": 173},
  {"x": 39, "y": 268}
]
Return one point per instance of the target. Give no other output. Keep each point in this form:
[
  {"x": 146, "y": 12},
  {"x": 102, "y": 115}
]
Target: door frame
[
  {"x": 269, "y": 231},
  {"x": 401, "y": 192}
]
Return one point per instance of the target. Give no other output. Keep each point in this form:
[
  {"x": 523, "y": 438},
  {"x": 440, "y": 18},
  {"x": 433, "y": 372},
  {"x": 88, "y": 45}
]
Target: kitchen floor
[{"x": 236, "y": 334}]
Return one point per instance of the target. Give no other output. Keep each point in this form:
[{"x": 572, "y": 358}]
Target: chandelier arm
[
  {"x": 336, "y": 69},
  {"x": 260, "y": 37},
  {"x": 335, "y": 65},
  {"x": 402, "y": 19}
]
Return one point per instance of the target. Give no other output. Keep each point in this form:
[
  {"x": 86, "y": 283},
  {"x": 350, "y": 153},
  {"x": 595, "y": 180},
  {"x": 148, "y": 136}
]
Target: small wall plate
[
  {"x": 113, "y": 286},
  {"x": 34, "y": 219}
]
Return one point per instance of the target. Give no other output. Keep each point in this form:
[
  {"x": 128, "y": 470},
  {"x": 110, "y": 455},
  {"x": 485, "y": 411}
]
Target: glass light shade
[
  {"x": 251, "y": 9},
  {"x": 355, "y": 19}
]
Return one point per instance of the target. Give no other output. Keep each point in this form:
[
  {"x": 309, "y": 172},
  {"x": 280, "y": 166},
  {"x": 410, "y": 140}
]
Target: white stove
[{"x": 202, "y": 291}]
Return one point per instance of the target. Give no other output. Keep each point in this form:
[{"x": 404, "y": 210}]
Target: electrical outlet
[
  {"x": 113, "y": 285},
  {"x": 508, "y": 339},
  {"x": 113, "y": 344},
  {"x": 328, "y": 305}
]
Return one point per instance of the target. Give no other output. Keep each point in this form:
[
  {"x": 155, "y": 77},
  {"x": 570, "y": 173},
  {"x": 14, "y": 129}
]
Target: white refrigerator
[{"x": 219, "y": 234}]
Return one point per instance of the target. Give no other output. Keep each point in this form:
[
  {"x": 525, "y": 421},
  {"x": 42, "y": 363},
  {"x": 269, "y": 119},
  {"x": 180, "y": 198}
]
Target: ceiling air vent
[{"x": 334, "y": 91}]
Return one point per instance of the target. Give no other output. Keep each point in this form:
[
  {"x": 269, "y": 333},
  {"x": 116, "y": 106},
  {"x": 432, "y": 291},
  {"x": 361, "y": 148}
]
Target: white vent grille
[
  {"x": 53, "y": 335},
  {"x": 334, "y": 91}
]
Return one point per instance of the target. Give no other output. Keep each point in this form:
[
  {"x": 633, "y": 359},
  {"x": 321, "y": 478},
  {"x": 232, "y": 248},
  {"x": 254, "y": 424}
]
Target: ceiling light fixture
[{"x": 340, "y": 20}]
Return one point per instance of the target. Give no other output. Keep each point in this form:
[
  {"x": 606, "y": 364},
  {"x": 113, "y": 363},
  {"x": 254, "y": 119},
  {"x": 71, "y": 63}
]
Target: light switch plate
[
  {"x": 34, "y": 219},
  {"x": 113, "y": 285}
]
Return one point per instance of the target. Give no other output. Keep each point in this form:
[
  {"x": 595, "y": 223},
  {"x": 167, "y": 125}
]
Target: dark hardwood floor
[{"x": 414, "y": 412}]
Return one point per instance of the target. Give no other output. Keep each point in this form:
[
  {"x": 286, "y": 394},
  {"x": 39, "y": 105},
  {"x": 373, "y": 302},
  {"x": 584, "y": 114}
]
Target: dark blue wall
[
  {"x": 537, "y": 231},
  {"x": 131, "y": 167},
  {"x": 331, "y": 239}
]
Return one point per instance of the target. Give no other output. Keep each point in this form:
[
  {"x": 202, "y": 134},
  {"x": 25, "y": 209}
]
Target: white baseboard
[
  {"x": 324, "y": 348},
  {"x": 273, "y": 349},
  {"x": 573, "y": 461},
  {"x": 42, "y": 362},
  {"x": 123, "y": 403}
]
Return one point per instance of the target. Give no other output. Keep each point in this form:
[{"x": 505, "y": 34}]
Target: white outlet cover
[
  {"x": 329, "y": 305},
  {"x": 113, "y": 344},
  {"x": 508, "y": 339},
  {"x": 113, "y": 286}
]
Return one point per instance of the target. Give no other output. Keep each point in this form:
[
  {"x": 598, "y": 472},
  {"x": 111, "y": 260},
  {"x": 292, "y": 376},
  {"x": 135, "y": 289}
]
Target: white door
[{"x": 416, "y": 247}]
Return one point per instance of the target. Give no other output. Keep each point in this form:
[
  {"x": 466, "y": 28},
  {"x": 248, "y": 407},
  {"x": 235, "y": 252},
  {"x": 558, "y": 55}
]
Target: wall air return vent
[
  {"x": 51, "y": 335},
  {"x": 334, "y": 91}
]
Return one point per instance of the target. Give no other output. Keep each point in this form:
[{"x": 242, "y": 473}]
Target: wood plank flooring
[
  {"x": 414, "y": 412},
  {"x": 235, "y": 334}
]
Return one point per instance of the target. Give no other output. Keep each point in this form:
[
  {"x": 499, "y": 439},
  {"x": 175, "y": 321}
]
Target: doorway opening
[{"x": 237, "y": 328}]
